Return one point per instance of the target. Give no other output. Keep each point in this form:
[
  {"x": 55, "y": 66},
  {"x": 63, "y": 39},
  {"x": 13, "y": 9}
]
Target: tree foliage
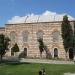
[
  {"x": 67, "y": 33},
  {"x": 15, "y": 48},
  {"x": 41, "y": 45},
  {"x": 4, "y": 42},
  {"x": 74, "y": 37}
]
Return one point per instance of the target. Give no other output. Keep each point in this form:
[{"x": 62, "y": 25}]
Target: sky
[{"x": 11, "y": 8}]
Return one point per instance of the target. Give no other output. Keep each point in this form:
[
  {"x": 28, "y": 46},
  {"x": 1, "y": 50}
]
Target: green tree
[
  {"x": 41, "y": 46},
  {"x": 4, "y": 42},
  {"x": 74, "y": 40},
  {"x": 7, "y": 43},
  {"x": 67, "y": 34},
  {"x": 15, "y": 48}
]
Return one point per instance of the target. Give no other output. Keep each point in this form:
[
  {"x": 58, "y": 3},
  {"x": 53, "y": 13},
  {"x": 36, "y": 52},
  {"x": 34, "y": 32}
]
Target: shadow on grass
[{"x": 13, "y": 63}]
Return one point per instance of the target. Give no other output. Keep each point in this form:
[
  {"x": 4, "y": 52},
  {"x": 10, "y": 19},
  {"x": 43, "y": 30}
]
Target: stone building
[{"x": 26, "y": 33}]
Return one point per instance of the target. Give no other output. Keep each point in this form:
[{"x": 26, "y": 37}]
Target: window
[
  {"x": 25, "y": 36},
  {"x": 55, "y": 36},
  {"x": 13, "y": 36},
  {"x": 40, "y": 35}
]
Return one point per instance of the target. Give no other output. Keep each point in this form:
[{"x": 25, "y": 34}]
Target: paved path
[
  {"x": 69, "y": 73},
  {"x": 46, "y": 61}
]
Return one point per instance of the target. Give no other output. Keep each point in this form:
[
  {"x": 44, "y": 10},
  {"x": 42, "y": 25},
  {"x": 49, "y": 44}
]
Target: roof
[
  {"x": 47, "y": 17},
  {"x": 2, "y": 27}
]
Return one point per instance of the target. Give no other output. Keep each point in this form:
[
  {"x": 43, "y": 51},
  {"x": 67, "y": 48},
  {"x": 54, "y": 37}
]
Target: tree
[
  {"x": 15, "y": 48},
  {"x": 4, "y": 42},
  {"x": 67, "y": 34},
  {"x": 7, "y": 43},
  {"x": 74, "y": 39},
  {"x": 41, "y": 46}
]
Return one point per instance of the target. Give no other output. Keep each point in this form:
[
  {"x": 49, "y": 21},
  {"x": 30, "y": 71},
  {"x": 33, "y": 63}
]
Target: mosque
[{"x": 26, "y": 30}]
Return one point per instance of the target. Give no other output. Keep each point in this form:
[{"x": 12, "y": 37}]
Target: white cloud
[
  {"x": 49, "y": 13},
  {"x": 17, "y": 19},
  {"x": 47, "y": 16}
]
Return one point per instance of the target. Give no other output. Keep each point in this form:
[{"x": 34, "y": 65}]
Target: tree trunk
[
  {"x": 74, "y": 55},
  {"x": 74, "y": 59},
  {"x": 40, "y": 54},
  {"x": 0, "y": 58},
  {"x": 66, "y": 55}
]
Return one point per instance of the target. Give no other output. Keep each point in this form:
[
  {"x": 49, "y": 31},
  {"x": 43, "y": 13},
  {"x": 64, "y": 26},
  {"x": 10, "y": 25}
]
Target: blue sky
[{"x": 10, "y": 8}]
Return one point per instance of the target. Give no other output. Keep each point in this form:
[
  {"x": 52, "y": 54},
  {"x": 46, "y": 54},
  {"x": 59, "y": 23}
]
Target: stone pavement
[
  {"x": 46, "y": 61},
  {"x": 69, "y": 73}
]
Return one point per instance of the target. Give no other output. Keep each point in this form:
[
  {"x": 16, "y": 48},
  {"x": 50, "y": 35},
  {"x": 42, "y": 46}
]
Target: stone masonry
[{"x": 48, "y": 28}]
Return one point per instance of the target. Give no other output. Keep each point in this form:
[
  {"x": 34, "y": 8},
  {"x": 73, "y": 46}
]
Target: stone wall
[
  {"x": 32, "y": 45},
  {"x": 2, "y": 30}
]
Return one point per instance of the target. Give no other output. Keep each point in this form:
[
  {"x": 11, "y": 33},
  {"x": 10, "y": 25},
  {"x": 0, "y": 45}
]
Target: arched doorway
[
  {"x": 12, "y": 53},
  {"x": 71, "y": 54},
  {"x": 55, "y": 52},
  {"x": 25, "y": 52}
]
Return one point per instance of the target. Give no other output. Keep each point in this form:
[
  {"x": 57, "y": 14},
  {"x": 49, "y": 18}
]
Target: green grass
[{"x": 32, "y": 69}]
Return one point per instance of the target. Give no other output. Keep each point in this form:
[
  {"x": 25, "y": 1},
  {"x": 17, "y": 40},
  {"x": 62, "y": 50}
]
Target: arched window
[
  {"x": 40, "y": 35},
  {"x": 55, "y": 36},
  {"x": 55, "y": 52},
  {"x": 25, "y": 36},
  {"x": 13, "y": 36}
]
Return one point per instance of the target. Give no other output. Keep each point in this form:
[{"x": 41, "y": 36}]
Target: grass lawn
[{"x": 32, "y": 69}]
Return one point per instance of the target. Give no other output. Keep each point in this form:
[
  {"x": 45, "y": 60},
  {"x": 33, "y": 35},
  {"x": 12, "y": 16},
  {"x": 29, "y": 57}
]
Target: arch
[
  {"x": 40, "y": 34},
  {"x": 13, "y": 36},
  {"x": 55, "y": 36},
  {"x": 25, "y": 52},
  {"x": 25, "y": 36},
  {"x": 71, "y": 53},
  {"x": 55, "y": 52}
]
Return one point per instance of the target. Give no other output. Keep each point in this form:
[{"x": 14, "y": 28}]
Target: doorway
[
  {"x": 25, "y": 52},
  {"x": 71, "y": 54},
  {"x": 55, "y": 52}
]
